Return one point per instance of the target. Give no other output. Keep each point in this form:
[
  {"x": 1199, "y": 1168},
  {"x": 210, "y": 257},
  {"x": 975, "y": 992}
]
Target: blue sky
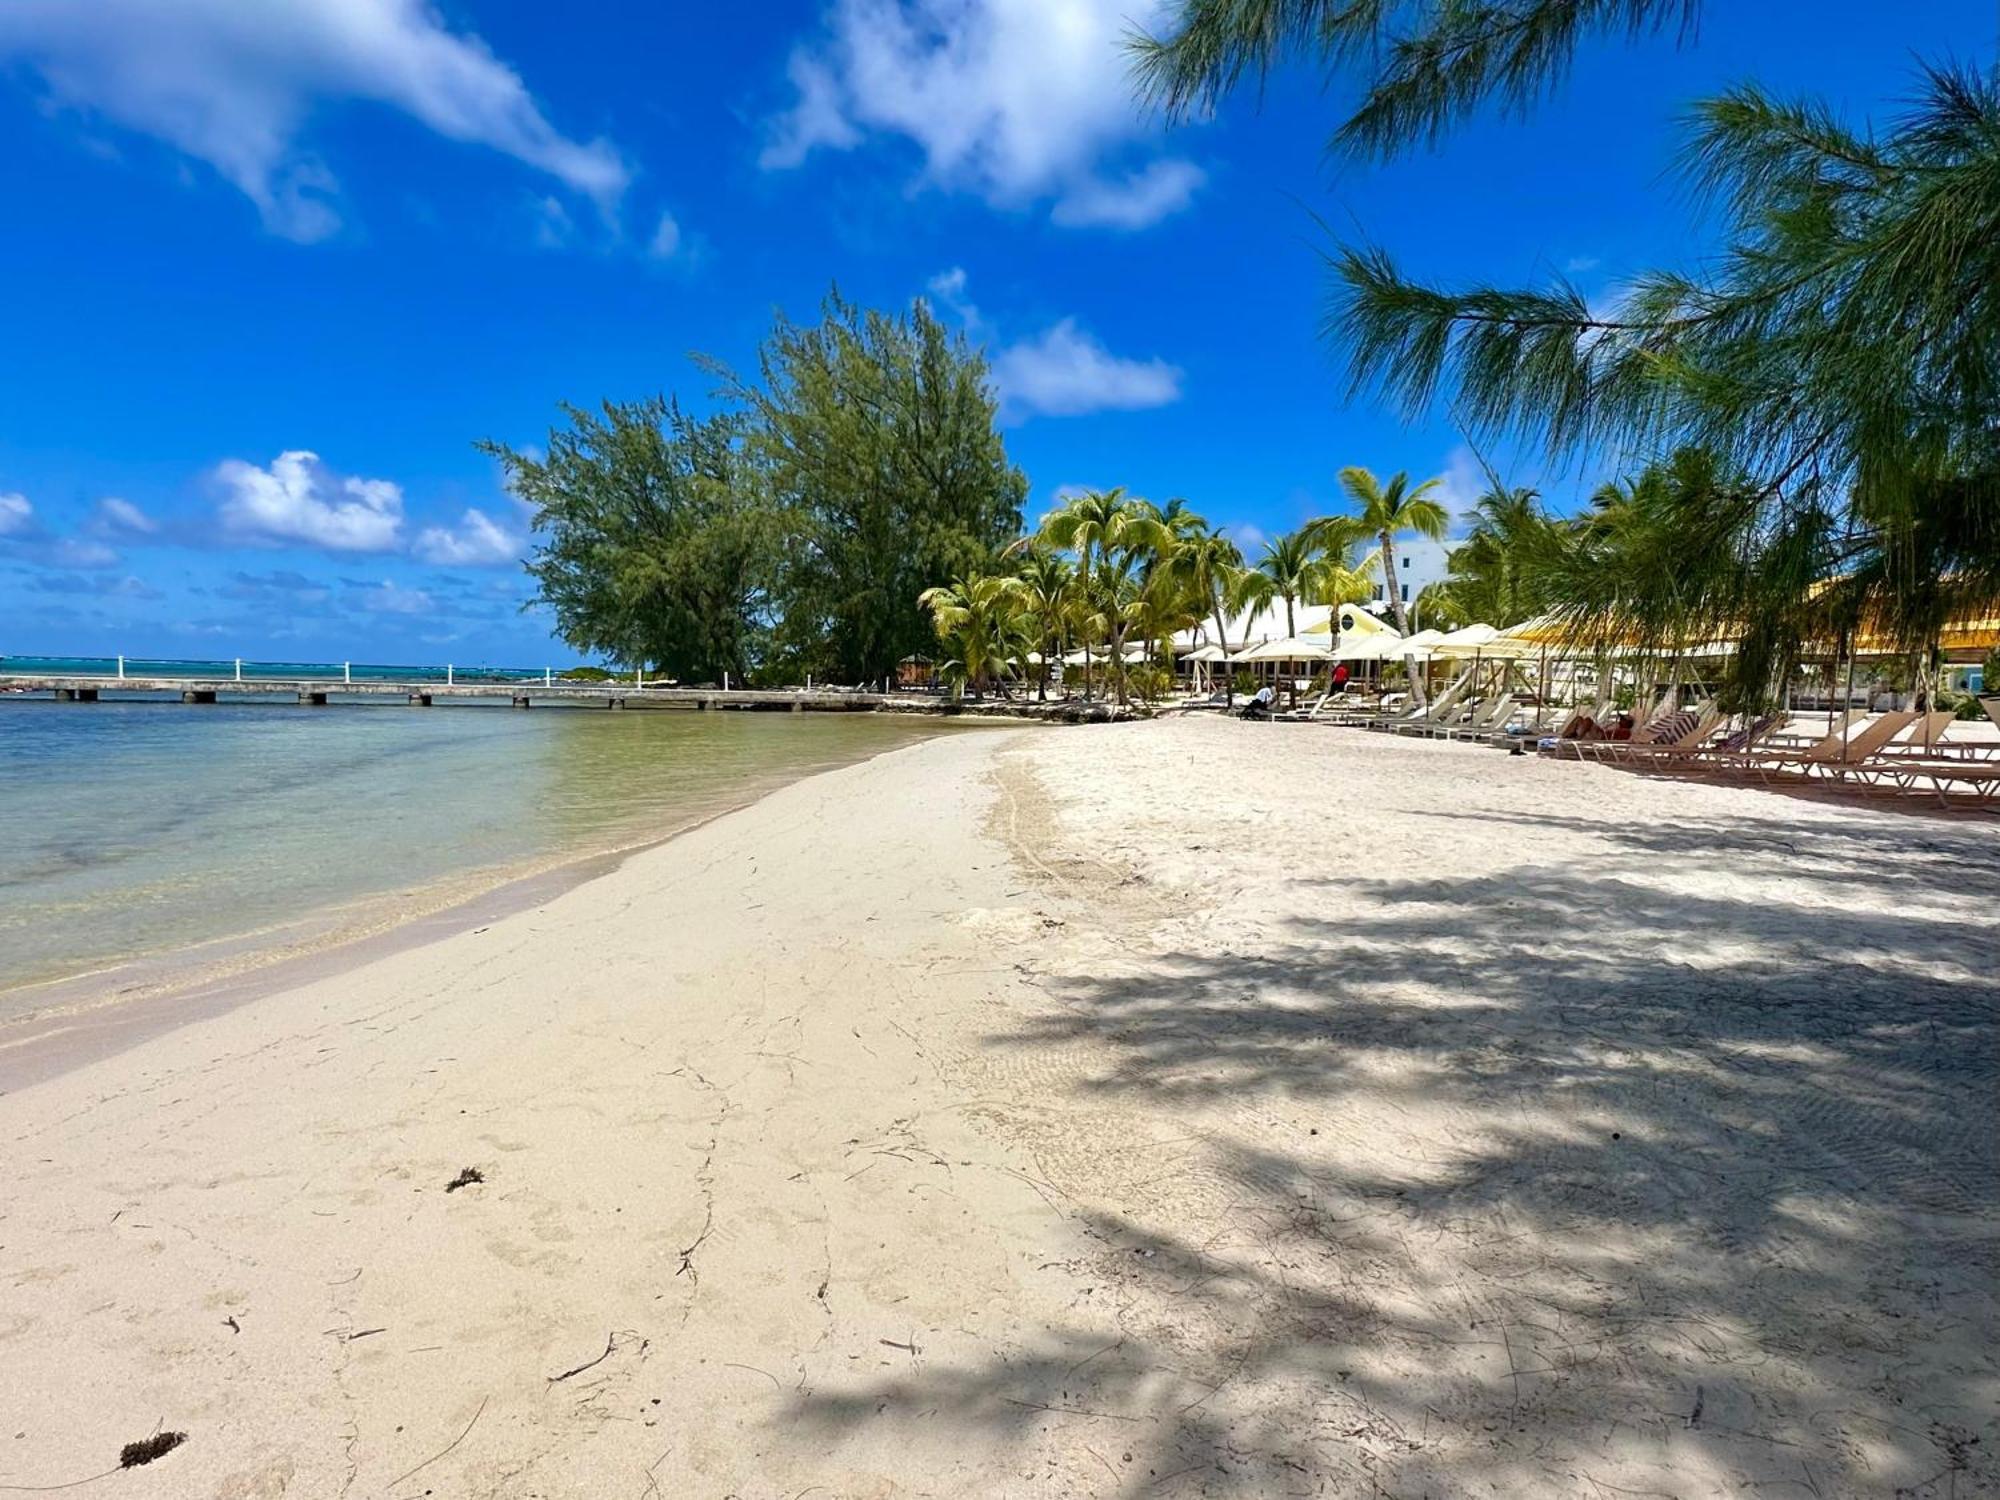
[{"x": 271, "y": 270}]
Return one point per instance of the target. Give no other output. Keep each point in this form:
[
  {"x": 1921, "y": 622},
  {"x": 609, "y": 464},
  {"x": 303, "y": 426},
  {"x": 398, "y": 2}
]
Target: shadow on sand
[{"x": 1534, "y": 1182}]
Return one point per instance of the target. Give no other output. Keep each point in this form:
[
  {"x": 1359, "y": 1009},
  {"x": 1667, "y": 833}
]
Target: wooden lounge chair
[
  {"x": 1980, "y": 781},
  {"x": 1848, "y": 748},
  {"x": 1684, "y": 733},
  {"x": 1665, "y": 721},
  {"x": 1577, "y": 726}
]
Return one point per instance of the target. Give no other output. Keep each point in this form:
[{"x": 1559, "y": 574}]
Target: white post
[
  {"x": 447, "y": 674},
  {"x": 347, "y": 673},
  {"x": 547, "y": 677},
  {"x": 239, "y": 669},
  {"x": 725, "y": 681},
  {"x": 121, "y": 669},
  {"x": 639, "y": 675},
  {"x": 809, "y": 682}
]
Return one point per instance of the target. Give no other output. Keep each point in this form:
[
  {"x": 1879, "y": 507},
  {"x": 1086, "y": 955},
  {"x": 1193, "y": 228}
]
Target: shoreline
[
  {"x": 1015, "y": 1115},
  {"x": 97, "y": 1013}
]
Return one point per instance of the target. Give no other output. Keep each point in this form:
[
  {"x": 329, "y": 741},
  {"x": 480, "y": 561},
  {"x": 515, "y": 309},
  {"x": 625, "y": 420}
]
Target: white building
[{"x": 1419, "y": 564}]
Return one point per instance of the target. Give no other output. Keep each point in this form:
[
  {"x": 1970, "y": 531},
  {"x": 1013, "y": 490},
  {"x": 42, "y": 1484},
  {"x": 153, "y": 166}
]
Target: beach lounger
[
  {"x": 1578, "y": 725},
  {"x": 1387, "y": 706},
  {"x": 1848, "y": 747},
  {"x": 1682, "y": 733},
  {"x": 1663, "y": 723},
  {"x": 1490, "y": 717},
  {"x": 1421, "y": 716},
  {"x": 1980, "y": 781}
]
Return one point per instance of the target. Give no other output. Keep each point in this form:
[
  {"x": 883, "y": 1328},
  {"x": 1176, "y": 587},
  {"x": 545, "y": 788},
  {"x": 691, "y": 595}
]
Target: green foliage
[
  {"x": 876, "y": 436},
  {"x": 1431, "y": 63},
  {"x": 1821, "y": 402},
  {"x": 1150, "y": 682},
  {"x": 1245, "y": 682},
  {"x": 1291, "y": 567},
  {"x": 1842, "y": 362},
  {"x": 654, "y": 535},
  {"x": 1382, "y": 512},
  {"x": 1119, "y": 541},
  {"x": 790, "y": 534},
  {"x": 1990, "y": 671},
  {"x": 981, "y": 622}
]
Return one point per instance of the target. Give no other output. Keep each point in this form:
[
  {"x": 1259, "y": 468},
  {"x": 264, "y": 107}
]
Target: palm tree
[
  {"x": 1496, "y": 571},
  {"x": 978, "y": 620},
  {"x": 1290, "y": 562},
  {"x": 1210, "y": 565},
  {"x": 1384, "y": 512},
  {"x": 1113, "y": 535},
  {"x": 1388, "y": 511},
  {"x": 1046, "y": 589}
]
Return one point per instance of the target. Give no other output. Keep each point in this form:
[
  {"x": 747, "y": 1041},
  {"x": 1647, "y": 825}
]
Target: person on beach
[{"x": 1259, "y": 706}]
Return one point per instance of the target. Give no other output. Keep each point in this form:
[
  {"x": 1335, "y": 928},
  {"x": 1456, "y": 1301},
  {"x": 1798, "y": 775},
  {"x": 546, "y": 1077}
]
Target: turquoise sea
[{"x": 130, "y": 830}]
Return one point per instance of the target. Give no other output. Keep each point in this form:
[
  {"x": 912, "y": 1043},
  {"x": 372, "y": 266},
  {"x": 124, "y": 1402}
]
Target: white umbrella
[
  {"x": 1375, "y": 648},
  {"x": 1207, "y": 653},
  {"x": 1131, "y": 653},
  {"x": 1292, "y": 648},
  {"x": 1473, "y": 640}
]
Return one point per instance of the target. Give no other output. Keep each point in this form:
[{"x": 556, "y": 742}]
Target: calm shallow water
[{"x": 129, "y": 829}]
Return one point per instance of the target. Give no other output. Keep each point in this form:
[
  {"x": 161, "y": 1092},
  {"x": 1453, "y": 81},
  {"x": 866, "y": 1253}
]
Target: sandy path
[{"x": 1191, "y": 1108}]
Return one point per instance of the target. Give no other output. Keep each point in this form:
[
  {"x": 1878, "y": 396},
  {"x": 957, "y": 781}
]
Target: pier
[
  {"x": 85, "y": 680},
  {"x": 318, "y": 692}
]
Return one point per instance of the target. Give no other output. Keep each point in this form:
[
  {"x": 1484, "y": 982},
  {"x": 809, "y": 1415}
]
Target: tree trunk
[
  {"x": 1222, "y": 640},
  {"x": 1395, "y": 596},
  {"x": 1291, "y": 626}
]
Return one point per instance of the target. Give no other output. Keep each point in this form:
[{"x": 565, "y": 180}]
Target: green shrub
[
  {"x": 1245, "y": 683},
  {"x": 1149, "y": 682}
]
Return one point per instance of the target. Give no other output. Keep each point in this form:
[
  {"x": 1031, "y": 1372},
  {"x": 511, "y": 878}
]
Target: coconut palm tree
[
  {"x": 1047, "y": 592},
  {"x": 1387, "y": 511},
  {"x": 1290, "y": 562},
  {"x": 978, "y": 620},
  {"x": 1210, "y": 566},
  {"x": 1114, "y": 536}
]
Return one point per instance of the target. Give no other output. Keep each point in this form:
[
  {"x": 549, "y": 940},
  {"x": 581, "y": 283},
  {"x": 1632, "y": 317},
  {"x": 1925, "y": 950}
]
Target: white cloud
[
  {"x": 948, "y": 287},
  {"x": 1576, "y": 265},
  {"x": 477, "y": 541},
  {"x": 390, "y": 598},
  {"x": 1066, "y": 372},
  {"x": 1016, "y": 100},
  {"x": 554, "y": 228},
  {"x": 666, "y": 239},
  {"x": 74, "y": 552},
  {"x": 1463, "y": 482},
  {"x": 233, "y": 83},
  {"x": 298, "y": 500},
  {"x": 116, "y": 517},
  {"x": 1145, "y": 197},
  {"x": 1248, "y": 536},
  {"x": 24, "y": 537}
]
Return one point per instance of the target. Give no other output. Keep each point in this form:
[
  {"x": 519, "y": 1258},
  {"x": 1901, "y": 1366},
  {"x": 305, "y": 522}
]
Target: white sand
[{"x": 1192, "y": 1108}]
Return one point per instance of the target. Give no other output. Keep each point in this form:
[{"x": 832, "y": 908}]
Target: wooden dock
[
  {"x": 325, "y": 692},
  {"x": 320, "y": 692}
]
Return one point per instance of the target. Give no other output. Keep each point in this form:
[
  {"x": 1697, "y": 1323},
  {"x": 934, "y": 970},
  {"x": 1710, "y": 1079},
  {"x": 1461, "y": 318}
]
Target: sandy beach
[{"x": 1192, "y": 1108}]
